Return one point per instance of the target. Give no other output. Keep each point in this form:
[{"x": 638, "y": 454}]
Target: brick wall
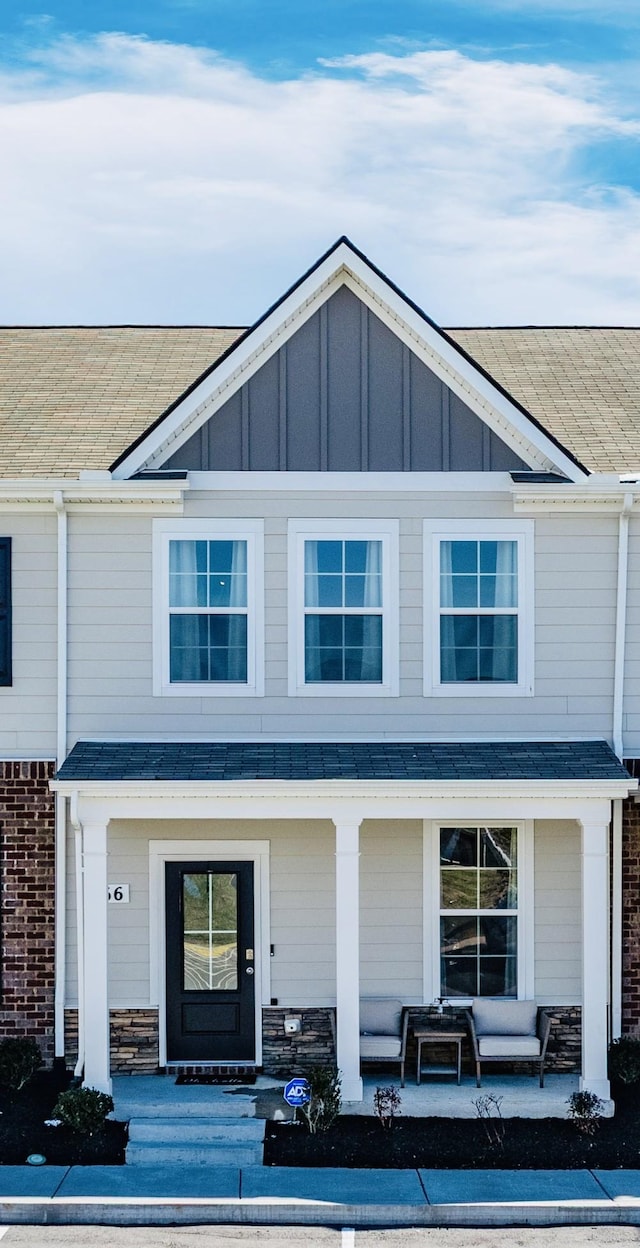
[
  {"x": 631, "y": 912},
  {"x": 27, "y": 914}
]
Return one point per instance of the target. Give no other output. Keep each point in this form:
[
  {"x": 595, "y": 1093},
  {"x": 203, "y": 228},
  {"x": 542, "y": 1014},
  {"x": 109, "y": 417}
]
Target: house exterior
[{"x": 319, "y": 655}]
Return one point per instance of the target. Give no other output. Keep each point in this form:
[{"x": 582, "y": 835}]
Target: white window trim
[
  {"x": 431, "y": 903},
  {"x": 161, "y": 852},
  {"x": 251, "y": 531},
  {"x": 520, "y": 531},
  {"x": 386, "y": 532}
]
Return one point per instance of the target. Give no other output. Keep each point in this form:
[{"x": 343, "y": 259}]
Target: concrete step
[
  {"x": 196, "y": 1102},
  {"x": 196, "y": 1130},
  {"x": 168, "y": 1154}
]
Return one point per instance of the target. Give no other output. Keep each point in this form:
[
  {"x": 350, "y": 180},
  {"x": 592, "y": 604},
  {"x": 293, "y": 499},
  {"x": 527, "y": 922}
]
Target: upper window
[
  {"x": 343, "y": 607},
  {"x": 208, "y": 607},
  {"x": 479, "y": 620},
  {"x": 5, "y": 611}
]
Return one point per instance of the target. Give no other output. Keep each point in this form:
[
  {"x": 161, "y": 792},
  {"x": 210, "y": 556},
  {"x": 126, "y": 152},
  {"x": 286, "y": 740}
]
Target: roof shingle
[
  {"x": 76, "y": 398},
  {"x": 385, "y": 760}
]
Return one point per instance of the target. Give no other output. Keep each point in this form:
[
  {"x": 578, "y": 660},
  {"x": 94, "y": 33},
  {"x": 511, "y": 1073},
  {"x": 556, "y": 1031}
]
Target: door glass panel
[{"x": 210, "y": 932}]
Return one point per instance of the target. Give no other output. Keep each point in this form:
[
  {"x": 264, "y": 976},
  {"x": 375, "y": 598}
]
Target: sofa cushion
[
  {"x": 508, "y": 1046},
  {"x": 379, "y": 1046},
  {"x": 380, "y": 1016},
  {"x": 504, "y": 1018}
]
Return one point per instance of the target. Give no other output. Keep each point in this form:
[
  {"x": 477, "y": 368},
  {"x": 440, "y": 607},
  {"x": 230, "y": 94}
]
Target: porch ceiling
[{"x": 216, "y": 761}]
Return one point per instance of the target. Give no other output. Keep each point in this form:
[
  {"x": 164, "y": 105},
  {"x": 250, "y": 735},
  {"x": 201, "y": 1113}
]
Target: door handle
[{"x": 248, "y": 970}]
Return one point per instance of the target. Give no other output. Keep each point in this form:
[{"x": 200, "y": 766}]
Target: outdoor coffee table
[{"x": 433, "y": 1035}]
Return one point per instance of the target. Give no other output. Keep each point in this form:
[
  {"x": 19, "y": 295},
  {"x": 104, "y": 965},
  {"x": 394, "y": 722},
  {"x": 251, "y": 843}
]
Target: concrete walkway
[{"x": 158, "y": 1195}]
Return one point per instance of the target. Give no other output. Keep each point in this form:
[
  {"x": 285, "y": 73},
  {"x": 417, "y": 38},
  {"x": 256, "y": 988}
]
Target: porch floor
[
  {"x": 148, "y": 1096},
  {"x": 439, "y": 1096}
]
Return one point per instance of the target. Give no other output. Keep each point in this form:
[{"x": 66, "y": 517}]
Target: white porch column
[
  {"x": 595, "y": 957},
  {"x": 97, "y": 1066},
  {"x": 348, "y": 957}
]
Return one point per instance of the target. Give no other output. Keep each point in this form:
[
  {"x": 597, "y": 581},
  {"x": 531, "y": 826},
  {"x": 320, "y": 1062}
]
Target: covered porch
[
  {"x": 520, "y": 1097},
  {"x": 345, "y": 789}
]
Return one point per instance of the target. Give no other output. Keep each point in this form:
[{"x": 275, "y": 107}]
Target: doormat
[{"x": 209, "y": 1079}]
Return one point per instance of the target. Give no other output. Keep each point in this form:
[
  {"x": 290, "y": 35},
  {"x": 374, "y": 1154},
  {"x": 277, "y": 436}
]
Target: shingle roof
[
  {"x": 76, "y": 398},
  {"x": 583, "y": 385},
  {"x": 387, "y": 760},
  {"x": 73, "y": 399}
]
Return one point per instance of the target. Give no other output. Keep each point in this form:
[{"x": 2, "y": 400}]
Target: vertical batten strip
[
  {"x": 364, "y": 388},
  {"x": 406, "y": 408},
  {"x": 446, "y": 428},
  {"x": 282, "y": 408},
  {"x": 324, "y": 388}
]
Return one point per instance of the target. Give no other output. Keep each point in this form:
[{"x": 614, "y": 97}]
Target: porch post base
[
  {"x": 352, "y": 1090},
  {"x": 601, "y": 1087}
]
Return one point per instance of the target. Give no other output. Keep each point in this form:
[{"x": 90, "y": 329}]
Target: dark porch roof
[{"x": 360, "y": 760}]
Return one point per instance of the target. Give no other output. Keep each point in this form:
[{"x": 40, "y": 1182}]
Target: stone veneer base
[{"x": 134, "y": 1038}]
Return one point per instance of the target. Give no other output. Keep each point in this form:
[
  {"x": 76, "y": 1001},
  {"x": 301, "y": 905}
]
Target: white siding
[
  {"x": 558, "y": 906},
  {"x": 391, "y": 909},
  {"x": 110, "y": 674},
  {"x": 302, "y": 901},
  {"x": 28, "y": 707}
]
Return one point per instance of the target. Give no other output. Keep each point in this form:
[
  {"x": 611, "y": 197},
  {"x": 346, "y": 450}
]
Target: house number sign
[{"x": 118, "y": 892}]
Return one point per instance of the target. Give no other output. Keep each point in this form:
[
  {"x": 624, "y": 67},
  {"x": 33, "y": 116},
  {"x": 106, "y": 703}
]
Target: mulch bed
[
  {"x": 463, "y": 1143},
  {"x": 22, "y": 1129}
]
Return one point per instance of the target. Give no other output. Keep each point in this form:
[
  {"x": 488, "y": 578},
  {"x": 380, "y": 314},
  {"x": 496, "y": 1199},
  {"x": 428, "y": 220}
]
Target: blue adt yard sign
[{"x": 296, "y": 1092}]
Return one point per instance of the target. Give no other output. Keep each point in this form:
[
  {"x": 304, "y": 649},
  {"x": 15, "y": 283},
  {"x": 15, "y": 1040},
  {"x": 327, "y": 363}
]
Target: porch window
[
  {"x": 478, "y": 912},
  {"x": 343, "y": 622},
  {"x": 208, "y": 607}
]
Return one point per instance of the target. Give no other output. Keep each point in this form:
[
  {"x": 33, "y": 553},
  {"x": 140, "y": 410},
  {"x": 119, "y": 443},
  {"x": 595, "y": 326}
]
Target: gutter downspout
[
  {"x": 60, "y": 801},
  {"x": 621, "y": 623},
  {"x": 616, "y": 921},
  {"x": 77, "y": 826},
  {"x": 618, "y": 745}
]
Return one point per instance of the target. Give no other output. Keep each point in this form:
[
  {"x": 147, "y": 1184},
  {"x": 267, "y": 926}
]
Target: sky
[{"x": 184, "y": 161}]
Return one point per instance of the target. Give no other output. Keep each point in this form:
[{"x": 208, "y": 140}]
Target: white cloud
[{"x": 155, "y": 182}]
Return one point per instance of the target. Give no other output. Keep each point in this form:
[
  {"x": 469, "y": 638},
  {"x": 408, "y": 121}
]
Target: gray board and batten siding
[{"x": 344, "y": 394}]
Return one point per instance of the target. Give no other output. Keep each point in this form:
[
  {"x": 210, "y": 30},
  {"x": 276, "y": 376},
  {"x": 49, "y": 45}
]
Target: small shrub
[
  {"x": 624, "y": 1060},
  {"x": 83, "y": 1109},
  {"x": 489, "y": 1111},
  {"x": 325, "y": 1101},
  {"x": 386, "y": 1104},
  {"x": 585, "y": 1111},
  {"x": 20, "y": 1058}
]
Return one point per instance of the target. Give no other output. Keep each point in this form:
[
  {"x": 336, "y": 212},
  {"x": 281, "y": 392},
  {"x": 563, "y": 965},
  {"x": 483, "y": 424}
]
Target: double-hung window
[
  {"x": 480, "y": 909},
  {"x": 208, "y": 607},
  {"x": 343, "y": 609},
  {"x": 478, "y": 608}
]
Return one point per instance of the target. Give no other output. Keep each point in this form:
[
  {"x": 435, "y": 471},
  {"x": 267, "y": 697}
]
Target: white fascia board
[
  {"x": 600, "y": 493},
  {"x": 378, "y": 792},
  {"x": 98, "y": 495},
  {"x": 352, "y": 482},
  {"x": 344, "y": 267}
]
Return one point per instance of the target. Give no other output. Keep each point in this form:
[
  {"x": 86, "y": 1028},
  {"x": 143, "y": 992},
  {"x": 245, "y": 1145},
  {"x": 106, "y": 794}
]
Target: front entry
[{"x": 210, "y": 962}]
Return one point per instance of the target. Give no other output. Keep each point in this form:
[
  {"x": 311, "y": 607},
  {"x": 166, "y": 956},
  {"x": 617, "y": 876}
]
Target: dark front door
[{"x": 210, "y": 962}]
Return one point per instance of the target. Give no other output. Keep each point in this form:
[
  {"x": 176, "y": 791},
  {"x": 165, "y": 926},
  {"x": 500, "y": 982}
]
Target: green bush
[
  {"x": 325, "y": 1100},
  {"x": 585, "y": 1110},
  {"x": 20, "y": 1058},
  {"x": 83, "y": 1109},
  {"x": 624, "y": 1060}
]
